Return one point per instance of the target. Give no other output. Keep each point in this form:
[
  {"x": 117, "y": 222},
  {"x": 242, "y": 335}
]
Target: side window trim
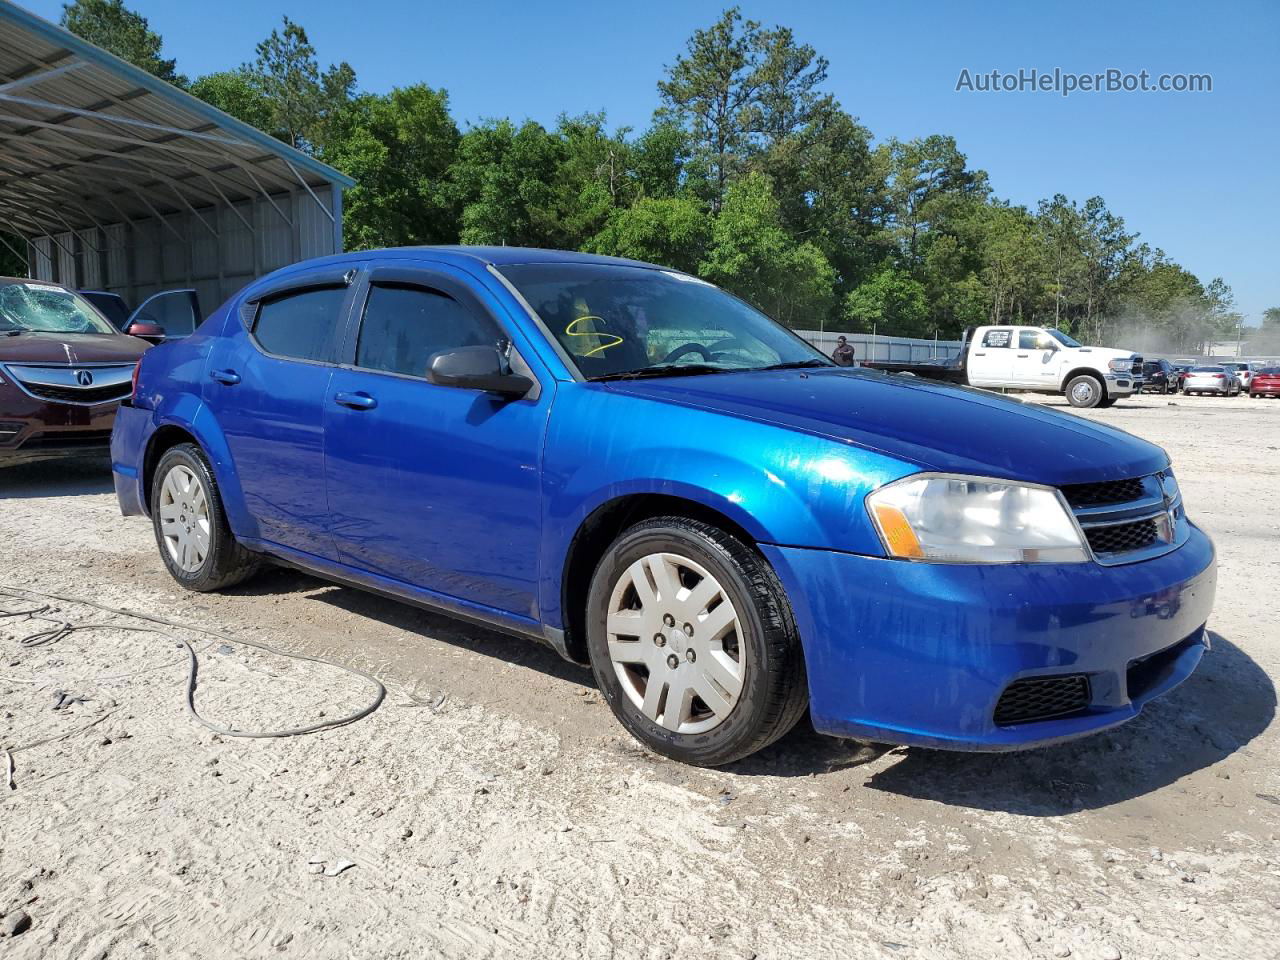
[
  {"x": 432, "y": 281},
  {"x": 347, "y": 276}
]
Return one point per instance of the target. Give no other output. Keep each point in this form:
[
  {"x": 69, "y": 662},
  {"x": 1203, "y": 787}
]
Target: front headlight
[
  {"x": 974, "y": 520},
  {"x": 1121, "y": 366}
]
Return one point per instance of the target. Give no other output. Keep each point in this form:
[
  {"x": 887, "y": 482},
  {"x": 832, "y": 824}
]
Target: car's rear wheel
[
  {"x": 1085, "y": 391},
  {"x": 195, "y": 540},
  {"x": 693, "y": 643}
]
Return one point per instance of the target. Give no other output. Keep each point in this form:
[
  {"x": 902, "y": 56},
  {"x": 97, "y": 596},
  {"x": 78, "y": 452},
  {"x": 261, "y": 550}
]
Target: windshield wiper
[
  {"x": 796, "y": 364},
  {"x": 664, "y": 370}
]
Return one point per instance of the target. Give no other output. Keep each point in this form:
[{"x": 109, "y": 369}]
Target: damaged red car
[{"x": 63, "y": 371}]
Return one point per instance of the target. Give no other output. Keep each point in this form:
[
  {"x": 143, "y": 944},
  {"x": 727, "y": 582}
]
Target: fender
[{"x": 792, "y": 489}]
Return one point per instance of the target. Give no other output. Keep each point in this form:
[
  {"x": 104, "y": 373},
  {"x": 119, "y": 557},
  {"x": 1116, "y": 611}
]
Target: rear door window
[
  {"x": 404, "y": 326},
  {"x": 302, "y": 326},
  {"x": 1000, "y": 337}
]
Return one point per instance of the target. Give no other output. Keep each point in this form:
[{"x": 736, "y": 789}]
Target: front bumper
[
  {"x": 34, "y": 429},
  {"x": 920, "y": 653},
  {"x": 1123, "y": 384}
]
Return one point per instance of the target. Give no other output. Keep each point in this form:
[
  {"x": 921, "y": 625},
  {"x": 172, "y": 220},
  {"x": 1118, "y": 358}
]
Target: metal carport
[{"x": 119, "y": 181}]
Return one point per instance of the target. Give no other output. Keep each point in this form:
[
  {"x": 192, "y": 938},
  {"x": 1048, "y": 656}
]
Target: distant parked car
[
  {"x": 1181, "y": 370},
  {"x": 1243, "y": 372},
  {"x": 63, "y": 371},
  {"x": 177, "y": 312},
  {"x": 1265, "y": 383},
  {"x": 1159, "y": 376},
  {"x": 1212, "y": 379}
]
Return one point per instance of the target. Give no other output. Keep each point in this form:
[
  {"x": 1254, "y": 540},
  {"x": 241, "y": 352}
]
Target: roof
[
  {"x": 459, "y": 255},
  {"x": 87, "y": 139}
]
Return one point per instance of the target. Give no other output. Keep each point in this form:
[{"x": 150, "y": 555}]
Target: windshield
[
  {"x": 43, "y": 308},
  {"x": 1208, "y": 370},
  {"x": 619, "y": 321},
  {"x": 1062, "y": 338}
]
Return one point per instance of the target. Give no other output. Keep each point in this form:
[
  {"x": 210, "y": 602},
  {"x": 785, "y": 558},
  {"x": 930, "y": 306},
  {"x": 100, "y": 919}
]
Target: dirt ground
[{"x": 493, "y": 808}]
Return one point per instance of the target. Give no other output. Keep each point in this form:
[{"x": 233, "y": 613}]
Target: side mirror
[
  {"x": 147, "y": 331},
  {"x": 477, "y": 368}
]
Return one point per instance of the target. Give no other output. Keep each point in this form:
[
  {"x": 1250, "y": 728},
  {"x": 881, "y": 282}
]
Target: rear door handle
[
  {"x": 356, "y": 401},
  {"x": 229, "y": 377},
  {"x": 1024, "y": 354}
]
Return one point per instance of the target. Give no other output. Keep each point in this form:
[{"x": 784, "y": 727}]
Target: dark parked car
[
  {"x": 1180, "y": 374},
  {"x": 1159, "y": 376},
  {"x": 654, "y": 478},
  {"x": 63, "y": 371},
  {"x": 176, "y": 312}
]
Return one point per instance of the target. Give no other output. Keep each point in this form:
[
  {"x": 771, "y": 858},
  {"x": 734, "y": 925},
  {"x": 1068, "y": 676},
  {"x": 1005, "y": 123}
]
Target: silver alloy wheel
[
  {"x": 1082, "y": 392},
  {"x": 184, "y": 518},
  {"x": 676, "y": 643}
]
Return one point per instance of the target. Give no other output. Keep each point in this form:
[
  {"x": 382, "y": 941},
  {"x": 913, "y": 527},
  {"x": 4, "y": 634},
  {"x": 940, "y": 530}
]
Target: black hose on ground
[{"x": 62, "y": 629}]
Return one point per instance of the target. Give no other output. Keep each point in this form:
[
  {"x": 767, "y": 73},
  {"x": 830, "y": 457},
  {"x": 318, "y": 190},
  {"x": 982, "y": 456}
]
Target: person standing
[{"x": 843, "y": 353}]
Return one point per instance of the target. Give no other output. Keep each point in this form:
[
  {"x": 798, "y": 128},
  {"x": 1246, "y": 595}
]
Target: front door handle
[
  {"x": 356, "y": 401},
  {"x": 1024, "y": 355},
  {"x": 229, "y": 377}
]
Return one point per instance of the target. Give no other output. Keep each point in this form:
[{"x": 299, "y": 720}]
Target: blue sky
[{"x": 1195, "y": 174}]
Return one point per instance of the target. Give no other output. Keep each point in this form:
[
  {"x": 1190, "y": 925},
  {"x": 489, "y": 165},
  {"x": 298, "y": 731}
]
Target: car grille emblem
[{"x": 84, "y": 378}]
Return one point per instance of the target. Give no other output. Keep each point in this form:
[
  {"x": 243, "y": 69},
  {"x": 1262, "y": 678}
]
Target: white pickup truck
[{"x": 1036, "y": 359}]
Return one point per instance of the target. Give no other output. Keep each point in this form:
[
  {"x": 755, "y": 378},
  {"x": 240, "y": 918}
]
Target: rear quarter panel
[{"x": 170, "y": 387}]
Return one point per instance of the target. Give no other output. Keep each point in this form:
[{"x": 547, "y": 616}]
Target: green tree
[
  {"x": 1062, "y": 227},
  {"x": 236, "y": 92},
  {"x": 399, "y": 148},
  {"x": 504, "y": 180},
  {"x": 740, "y": 89},
  {"x": 891, "y": 299},
  {"x": 1013, "y": 256},
  {"x": 672, "y": 231},
  {"x": 114, "y": 27},
  {"x": 752, "y": 255},
  {"x": 304, "y": 100}
]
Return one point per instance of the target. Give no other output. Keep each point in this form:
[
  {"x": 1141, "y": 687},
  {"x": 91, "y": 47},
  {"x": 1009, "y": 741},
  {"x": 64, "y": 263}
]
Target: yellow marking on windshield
[{"x": 571, "y": 332}]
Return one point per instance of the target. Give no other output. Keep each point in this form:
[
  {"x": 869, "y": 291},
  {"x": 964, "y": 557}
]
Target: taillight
[
  {"x": 133, "y": 383},
  {"x": 1219, "y": 376}
]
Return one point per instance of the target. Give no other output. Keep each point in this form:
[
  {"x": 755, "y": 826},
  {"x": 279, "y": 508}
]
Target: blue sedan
[{"x": 645, "y": 472}]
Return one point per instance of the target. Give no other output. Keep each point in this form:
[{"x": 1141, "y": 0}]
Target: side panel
[{"x": 779, "y": 485}]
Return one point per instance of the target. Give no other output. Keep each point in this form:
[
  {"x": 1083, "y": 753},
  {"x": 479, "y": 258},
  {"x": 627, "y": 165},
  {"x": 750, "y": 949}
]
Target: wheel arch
[
  {"x": 197, "y": 426},
  {"x": 166, "y": 437},
  {"x": 1086, "y": 372},
  {"x": 600, "y": 528}
]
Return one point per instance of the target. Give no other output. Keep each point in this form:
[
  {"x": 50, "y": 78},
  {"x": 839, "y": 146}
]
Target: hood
[
  {"x": 1103, "y": 354},
  {"x": 71, "y": 348},
  {"x": 936, "y": 426}
]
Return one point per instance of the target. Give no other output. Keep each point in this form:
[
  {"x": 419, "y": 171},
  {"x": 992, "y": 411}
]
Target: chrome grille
[
  {"x": 85, "y": 384},
  {"x": 1128, "y": 520}
]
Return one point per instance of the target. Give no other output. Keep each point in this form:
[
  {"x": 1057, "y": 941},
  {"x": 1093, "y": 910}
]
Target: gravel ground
[{"x": 493, "y": 808}]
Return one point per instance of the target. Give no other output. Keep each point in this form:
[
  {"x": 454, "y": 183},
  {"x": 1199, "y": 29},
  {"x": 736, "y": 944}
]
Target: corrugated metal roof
[{"x": 87, "y": 139}]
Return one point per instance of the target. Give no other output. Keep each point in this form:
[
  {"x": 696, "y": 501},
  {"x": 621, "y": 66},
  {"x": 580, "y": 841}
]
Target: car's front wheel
[
  {"x": 693, "y": 643},
  {"x": 1085, "y": 391},
  {"x": 195, "y": 540}
]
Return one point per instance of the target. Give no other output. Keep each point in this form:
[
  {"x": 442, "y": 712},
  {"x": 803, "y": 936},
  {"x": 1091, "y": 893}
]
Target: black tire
[
  {"x": 1079, "y": 396},
  {"x": 226, "y": 563},
  {"x": 775, "y": 690}
]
